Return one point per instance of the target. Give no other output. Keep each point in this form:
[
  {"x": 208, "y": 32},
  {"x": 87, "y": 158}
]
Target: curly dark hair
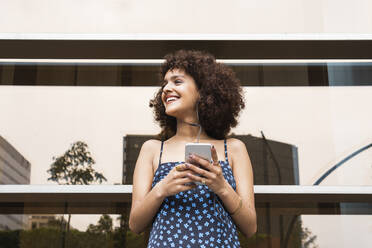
[{"x": 221, "y": 97}]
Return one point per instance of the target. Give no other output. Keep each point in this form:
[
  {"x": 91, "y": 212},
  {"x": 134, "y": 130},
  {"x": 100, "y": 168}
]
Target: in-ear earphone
[{"x": 196, "y": 124}]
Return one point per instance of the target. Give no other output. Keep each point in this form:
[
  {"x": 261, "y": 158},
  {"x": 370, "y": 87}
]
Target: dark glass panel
[{"x": 137, "y": 74}]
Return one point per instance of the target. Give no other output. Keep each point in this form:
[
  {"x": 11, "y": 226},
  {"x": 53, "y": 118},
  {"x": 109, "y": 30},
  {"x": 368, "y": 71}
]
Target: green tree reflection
[
  {"x": 104, "y": 225},
  {"x": 75, "y": 166}
]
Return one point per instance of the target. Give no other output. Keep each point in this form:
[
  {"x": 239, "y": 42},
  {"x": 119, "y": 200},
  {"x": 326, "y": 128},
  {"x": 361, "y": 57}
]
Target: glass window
[{"x": 295, "y": 135}]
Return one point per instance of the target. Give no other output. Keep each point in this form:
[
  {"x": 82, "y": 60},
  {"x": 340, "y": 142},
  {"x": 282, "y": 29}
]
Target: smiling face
[{"x": 179, "y": 94}]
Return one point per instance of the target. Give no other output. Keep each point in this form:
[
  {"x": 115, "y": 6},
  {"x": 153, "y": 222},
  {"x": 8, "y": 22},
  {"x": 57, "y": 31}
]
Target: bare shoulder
[
  {"x": 238, "y": 152},
  {"x": 150, "y": 149},
  {"x": 151, "y": 145},
  {"x": 236, "y": 145}
]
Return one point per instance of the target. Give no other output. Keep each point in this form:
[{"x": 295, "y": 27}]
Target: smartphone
[{"x": 203, "y": 150}]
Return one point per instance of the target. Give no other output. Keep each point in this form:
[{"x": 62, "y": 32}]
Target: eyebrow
[{"x": 173, "y": 77}]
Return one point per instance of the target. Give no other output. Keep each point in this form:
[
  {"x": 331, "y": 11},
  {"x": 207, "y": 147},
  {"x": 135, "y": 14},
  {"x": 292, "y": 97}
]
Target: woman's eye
[{"x": 178, "y": 81}]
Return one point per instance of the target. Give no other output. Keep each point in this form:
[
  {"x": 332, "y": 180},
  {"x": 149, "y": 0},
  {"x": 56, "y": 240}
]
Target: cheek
[
  {"x": 192, "y": 95},
  {"x": 189, "y": 102}
]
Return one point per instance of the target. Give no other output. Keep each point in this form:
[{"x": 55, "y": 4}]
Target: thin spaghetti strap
[
  {"x": 161, "y": 151},
  {"x": 226, "y": 159}
]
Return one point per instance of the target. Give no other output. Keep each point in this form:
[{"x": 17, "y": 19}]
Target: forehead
[{"x": 174, "y": 73}]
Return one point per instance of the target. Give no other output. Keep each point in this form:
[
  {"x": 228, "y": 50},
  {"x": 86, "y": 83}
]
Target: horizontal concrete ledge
[
  {"x": 263, "y": 193},
  {"x": 102, "y": 188},
  {"x": 185, "y": 36},
  {"x": 158, "y": 62},
  {"x": 115, "y": 199}
]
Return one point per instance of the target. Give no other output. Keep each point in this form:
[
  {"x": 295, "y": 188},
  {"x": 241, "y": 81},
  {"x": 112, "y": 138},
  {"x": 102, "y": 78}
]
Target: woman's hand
[
  {"x": 175, "y": 181},
  {"x": 210, "y": 174}
]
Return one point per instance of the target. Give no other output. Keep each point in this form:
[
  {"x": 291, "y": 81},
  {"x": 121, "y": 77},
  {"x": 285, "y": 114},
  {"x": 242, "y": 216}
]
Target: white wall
[{"x": 186, "y": 16}]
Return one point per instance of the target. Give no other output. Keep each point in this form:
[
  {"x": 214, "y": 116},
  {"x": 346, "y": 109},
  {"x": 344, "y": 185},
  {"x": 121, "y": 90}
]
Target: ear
[{"x": 198, "y": 99}]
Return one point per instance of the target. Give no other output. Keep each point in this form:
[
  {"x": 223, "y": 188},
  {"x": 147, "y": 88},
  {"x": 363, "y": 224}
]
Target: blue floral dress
[{"x": 193, "y": 218}]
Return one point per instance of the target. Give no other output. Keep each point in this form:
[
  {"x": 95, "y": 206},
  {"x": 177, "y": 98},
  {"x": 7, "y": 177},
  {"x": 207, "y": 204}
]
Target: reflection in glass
[
  {"x": 305, "y": 122},
  {"x": 274, "y": 162},
  {"x": 282, "y": 73},
  {"x": 49, "y": 231},
  {"x": 276, "y": 229}
]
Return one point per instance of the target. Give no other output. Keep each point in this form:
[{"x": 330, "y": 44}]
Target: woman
[{"x": 199, "y": 100}]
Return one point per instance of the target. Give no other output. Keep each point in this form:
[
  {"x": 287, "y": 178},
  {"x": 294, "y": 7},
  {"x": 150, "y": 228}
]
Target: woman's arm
[
  {"x": 245, "y": 217},
  {"x": 146, "y": 200}
]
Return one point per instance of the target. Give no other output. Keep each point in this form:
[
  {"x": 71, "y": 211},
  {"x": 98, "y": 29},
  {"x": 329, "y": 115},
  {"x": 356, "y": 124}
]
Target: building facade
[{"x": 14, "y": 169}]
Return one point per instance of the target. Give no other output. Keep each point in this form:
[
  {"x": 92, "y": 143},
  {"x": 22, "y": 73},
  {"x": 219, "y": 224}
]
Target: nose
[
  {"x": 167, "y": 88},
  {"x": 166, "y": 91}
]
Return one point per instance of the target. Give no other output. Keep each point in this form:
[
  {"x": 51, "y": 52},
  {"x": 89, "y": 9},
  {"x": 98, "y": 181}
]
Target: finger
[
  {"x": 199, "y": 171},
  {"x": 180, "y": 167},
  {"x": 214, "y": 156},
  {"x": 184, "y": 180},
  {"x": 216, "y": 170},
  {"x": 187, "y": 187},
  {"x": 181, "y": 174},
  {"x": 201, "y": 161},
  {"x": 199, "y": 179}
]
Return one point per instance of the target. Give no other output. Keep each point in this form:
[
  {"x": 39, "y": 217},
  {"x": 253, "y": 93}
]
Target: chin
[
  {"x": 174, "y": 113},
  {"x": 171, "y": 114}
]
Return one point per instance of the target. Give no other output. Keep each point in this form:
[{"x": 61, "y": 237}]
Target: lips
[{"x": 171, "y": 99}]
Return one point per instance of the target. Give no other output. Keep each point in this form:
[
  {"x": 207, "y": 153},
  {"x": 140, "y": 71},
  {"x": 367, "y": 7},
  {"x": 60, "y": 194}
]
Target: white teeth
[{"x": 171, "y": 99}]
